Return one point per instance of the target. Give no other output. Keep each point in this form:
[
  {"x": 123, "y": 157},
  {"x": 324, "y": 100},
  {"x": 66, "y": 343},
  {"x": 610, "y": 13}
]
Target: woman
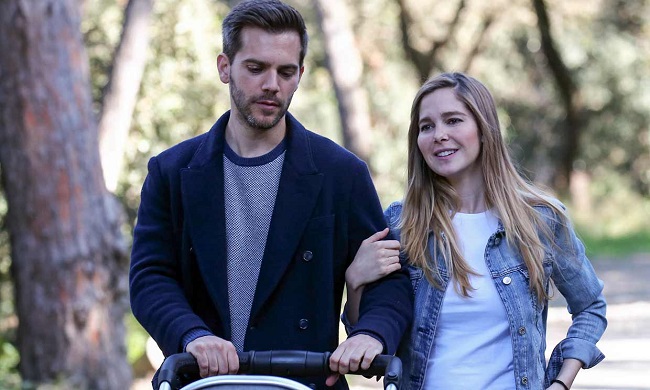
[{"x": 483, "y": 247}]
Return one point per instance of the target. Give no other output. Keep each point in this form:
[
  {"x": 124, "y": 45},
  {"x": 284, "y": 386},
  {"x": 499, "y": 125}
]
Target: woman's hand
[{"x": 374, "y": 260}]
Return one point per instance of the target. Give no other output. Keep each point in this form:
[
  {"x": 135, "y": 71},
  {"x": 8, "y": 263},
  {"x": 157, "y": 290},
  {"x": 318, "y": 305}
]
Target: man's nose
[{"x": 271, "y": 82}]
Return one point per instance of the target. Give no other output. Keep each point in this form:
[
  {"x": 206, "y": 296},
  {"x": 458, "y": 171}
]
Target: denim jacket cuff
[
  {"x": 585, "y": 351},
  {"x": 572, "y": 348}
]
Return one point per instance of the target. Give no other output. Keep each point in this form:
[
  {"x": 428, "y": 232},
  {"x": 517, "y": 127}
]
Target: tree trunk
[
  {"x": 68, "y": 255},
  {"x": 346, "y": 67},
  {"x": 570, "y": 96},
  {"x": 122, "y": 89}
]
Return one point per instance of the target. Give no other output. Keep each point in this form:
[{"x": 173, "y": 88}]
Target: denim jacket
[{"x": 573, "y": 276}]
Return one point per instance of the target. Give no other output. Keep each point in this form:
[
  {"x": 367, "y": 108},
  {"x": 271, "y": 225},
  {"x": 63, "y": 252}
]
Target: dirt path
[{"x": 626, "y": 342}]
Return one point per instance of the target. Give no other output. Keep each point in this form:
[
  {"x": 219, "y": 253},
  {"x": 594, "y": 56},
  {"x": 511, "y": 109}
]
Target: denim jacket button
[
  {"x": 506, "y": 280},
  {"x": 524, "y": 381},
  {"x": 522, "y": 331}
]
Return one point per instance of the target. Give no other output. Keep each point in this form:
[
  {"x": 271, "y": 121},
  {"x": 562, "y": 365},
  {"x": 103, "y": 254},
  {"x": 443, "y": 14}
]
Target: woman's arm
[
  {"x": 575, "y": 278},
  {"x": 375, "y": 259},
  {"x": 567, "y": 374}
]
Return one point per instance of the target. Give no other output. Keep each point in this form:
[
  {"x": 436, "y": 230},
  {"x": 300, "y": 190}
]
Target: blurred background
[{"x": 90, "y": 90}]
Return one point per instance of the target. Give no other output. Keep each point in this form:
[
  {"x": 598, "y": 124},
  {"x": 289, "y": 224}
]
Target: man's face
[{"x": 263, "y": 76}]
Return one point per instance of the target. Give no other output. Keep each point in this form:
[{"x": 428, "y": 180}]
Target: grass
[{"x": 616, "y": 246}]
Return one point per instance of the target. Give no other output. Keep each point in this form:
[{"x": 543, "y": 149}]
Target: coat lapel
[
  {"x": 298, "y": 191},
  {"x": 203, "y": 203}
]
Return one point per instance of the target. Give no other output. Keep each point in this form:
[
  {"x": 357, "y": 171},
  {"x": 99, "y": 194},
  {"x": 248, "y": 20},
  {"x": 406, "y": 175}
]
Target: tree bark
[
  {"x": 570, "y": 96},
  {"x": 121, "y": 91},
  {"x": 68, "y": 255},
  {"x": 346, "y": 68}
]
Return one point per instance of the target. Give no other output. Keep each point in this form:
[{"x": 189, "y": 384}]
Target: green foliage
[
  {"x": 136, "y": 339},
  {"x": 616, "y": 247},
  {"x": 9, "y": 377}
]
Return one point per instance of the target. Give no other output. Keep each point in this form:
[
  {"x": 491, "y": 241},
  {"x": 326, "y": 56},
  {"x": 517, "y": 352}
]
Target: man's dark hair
[{"x": 270, "y": 15}]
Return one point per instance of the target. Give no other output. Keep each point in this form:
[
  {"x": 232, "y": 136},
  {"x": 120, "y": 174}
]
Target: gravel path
[{"x": 626, "y": 342}]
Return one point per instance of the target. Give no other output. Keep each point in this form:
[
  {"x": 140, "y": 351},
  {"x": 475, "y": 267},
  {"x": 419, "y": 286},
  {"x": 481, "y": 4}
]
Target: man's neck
[{"x": 249, "y": 142}]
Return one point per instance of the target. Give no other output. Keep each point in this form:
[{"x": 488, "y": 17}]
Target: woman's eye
[
  {"x": 453, "y": 121},
  {"x": 424, "y": 128}
]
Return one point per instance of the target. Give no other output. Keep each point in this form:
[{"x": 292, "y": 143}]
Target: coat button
[
  {"x": 524, "y": 381},
  {"x": 507, "y": 280},
  {"x": 303, "y": 324},
  {"x": 522, "y": 331},
  {"x": 307, "y": 256}
]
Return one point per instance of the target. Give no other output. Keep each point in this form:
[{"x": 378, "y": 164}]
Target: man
[{"x": 244, "y": 233}]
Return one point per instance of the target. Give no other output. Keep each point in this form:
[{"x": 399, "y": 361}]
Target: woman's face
[{"x": 449, "y": 138}]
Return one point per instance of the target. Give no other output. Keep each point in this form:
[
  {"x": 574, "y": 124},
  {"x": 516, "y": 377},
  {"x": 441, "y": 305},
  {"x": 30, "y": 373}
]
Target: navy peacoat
[{"x": 325, "y": 206}]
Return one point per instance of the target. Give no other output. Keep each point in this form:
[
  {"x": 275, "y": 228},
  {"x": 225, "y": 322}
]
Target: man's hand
[
  {"x": 354, "y": 353},
  {"x": 214, "y": 355}
]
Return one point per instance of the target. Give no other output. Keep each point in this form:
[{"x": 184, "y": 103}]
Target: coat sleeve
[
  {"x": 575, "y": 278},
  {"x": 157, "y": 299},
  {"x": 386, "y": 308}
]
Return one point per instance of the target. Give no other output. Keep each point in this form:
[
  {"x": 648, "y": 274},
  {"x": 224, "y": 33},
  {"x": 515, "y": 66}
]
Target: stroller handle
[{"x": 278, "y": 363}]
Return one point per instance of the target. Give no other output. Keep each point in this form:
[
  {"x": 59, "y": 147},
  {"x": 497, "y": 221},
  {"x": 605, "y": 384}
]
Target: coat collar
[{"x": 203, "y": 202}]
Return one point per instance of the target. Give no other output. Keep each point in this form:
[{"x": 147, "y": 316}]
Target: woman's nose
[{"x": 440, "y": 134}]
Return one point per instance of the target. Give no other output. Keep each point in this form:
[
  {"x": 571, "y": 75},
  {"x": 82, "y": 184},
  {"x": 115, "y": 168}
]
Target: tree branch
[{"x": 121, "y": 91}]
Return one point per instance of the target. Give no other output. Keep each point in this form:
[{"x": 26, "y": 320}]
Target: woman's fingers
[{"x": 377, "y": 236}]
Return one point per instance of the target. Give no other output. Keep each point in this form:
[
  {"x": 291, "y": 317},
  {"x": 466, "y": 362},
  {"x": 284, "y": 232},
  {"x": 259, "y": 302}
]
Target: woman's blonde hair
[{"x": 431, "y": 201}]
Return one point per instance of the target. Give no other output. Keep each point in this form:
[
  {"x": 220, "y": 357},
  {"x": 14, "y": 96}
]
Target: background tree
[
  {"x": 120, "y": 93},
  {"x": 346, "y": 67},
  {"x": 571, "y": 128},
  {"x": 68, "y": 253}
]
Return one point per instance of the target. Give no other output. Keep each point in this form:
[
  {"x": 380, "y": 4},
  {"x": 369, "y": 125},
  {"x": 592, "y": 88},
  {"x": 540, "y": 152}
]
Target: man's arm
[
  {"x": 386, "y": 306},
  {"x": 157, "y": 299}
]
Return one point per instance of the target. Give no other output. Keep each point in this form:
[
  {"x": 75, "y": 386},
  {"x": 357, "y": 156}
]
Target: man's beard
[{"x": 245, "y": 108}]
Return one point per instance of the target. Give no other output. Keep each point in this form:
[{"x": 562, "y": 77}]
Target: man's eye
[
  {"x": 254, "y": 69},
  {"x": 287, "y": 74}
]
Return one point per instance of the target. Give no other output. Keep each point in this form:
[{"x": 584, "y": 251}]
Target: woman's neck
[{"x": 472, "y": 199}]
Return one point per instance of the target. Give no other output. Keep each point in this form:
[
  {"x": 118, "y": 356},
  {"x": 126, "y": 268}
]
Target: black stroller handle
[{"x": 279, "y": 363}]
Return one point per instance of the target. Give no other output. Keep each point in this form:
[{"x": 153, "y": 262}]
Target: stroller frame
[{"x": 267, "y": 369}]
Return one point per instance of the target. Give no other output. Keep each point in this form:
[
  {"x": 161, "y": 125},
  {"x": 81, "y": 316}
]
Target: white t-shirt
[{"x": 472, "y": 347}]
